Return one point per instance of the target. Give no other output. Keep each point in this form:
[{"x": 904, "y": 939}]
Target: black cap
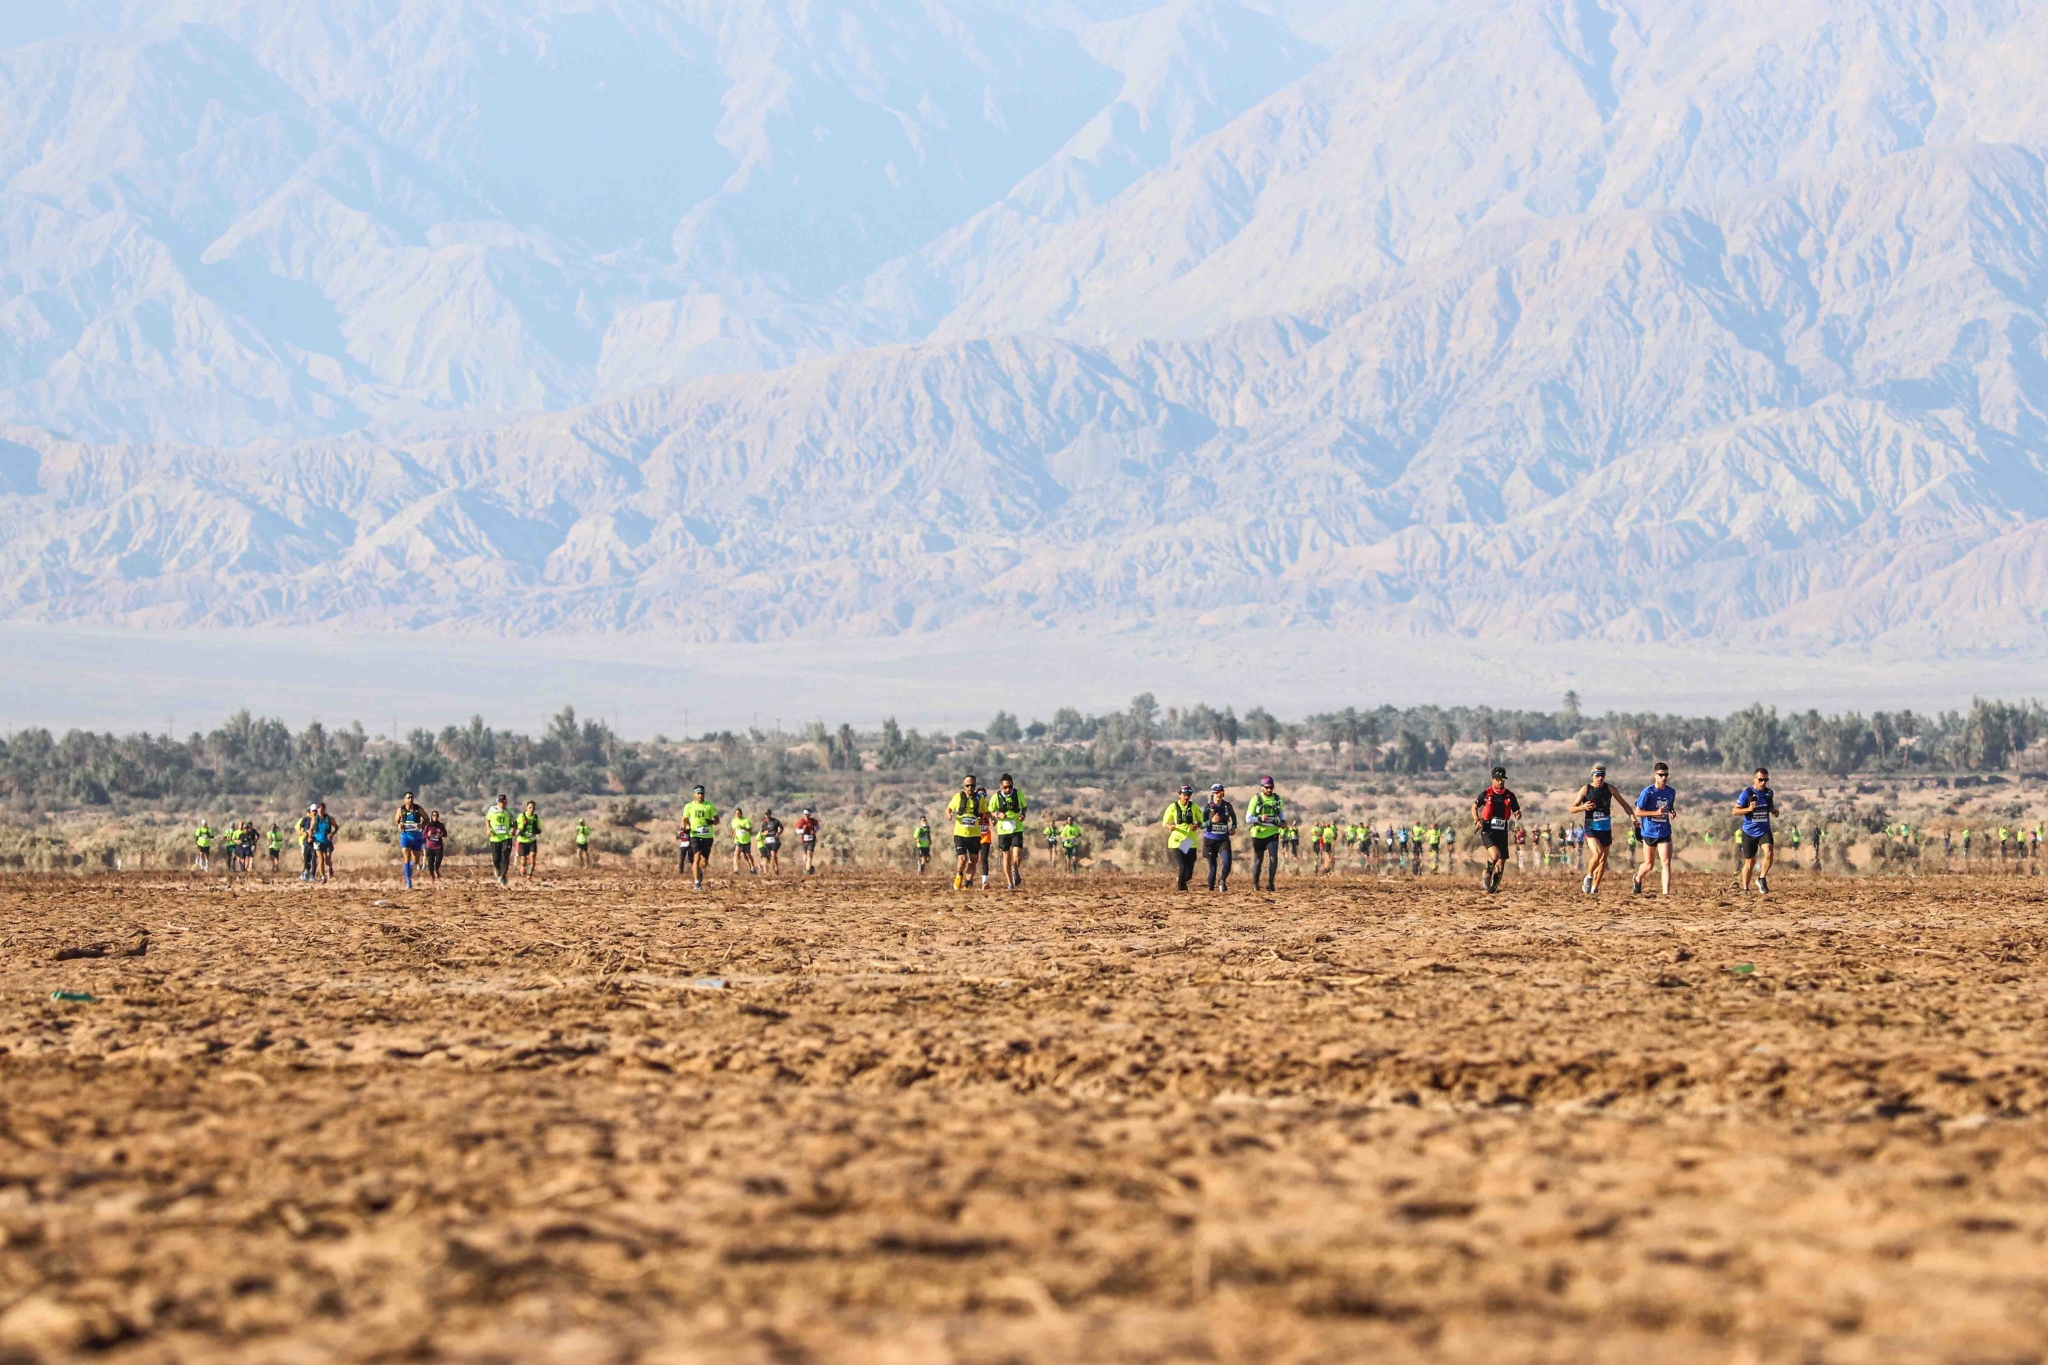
[{"x": 1501, "y": 773}]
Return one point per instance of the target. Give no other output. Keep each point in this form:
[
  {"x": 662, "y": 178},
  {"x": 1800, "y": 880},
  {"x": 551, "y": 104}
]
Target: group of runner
[
  {"x": 697, "y": 835},
  {"x": 989, "y": 828},
  {"x": 1496, "y": 809},
  {"x": 990, "y": 825}
]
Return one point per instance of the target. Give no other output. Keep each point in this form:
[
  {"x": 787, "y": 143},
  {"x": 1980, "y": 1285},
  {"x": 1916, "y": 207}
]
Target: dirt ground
[{"x": 865, "y": 1118}]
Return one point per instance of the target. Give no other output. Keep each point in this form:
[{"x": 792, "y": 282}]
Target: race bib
[
  {"x": 1496, "y": 823},
  {"x": 1600, "y": 824},
  {"x": 1006, "y": 826}
]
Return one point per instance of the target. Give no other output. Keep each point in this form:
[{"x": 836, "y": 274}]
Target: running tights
[
  {"x": 501, "y": 858},
  {"x": 1184, "y": 865},
  {"x": 1266, "y": 857},
  {"x": 1215, "y": 850}
]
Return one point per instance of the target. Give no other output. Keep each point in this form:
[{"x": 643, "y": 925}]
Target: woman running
[
  {"x": 527, "y": 831},
  {"x": 771, "y": 842},
  {"x": 435, "y": 836}
]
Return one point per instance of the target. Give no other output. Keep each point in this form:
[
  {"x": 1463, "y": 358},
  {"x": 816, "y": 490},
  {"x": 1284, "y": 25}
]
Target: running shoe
[
  {"x": 1763, "y": 886},
  {"x": 1635, "y": 883},
  {"x": 1586, "y": 886}
]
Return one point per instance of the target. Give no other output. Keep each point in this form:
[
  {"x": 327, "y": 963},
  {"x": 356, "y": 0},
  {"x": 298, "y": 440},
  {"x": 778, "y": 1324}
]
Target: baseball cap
[
  {"x": 1216, "y": 786},
  {"x": 1186, "y": 790},
  {"x": 1265, "y": 782},
  {"x": 1501, "y": 773}
]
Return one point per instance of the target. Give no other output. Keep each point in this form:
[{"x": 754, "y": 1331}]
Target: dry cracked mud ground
[{"x": 864, "y": 1118}]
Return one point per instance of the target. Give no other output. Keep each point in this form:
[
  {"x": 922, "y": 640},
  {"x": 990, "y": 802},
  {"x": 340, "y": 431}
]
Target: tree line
[{"x": 253, "y": 756}]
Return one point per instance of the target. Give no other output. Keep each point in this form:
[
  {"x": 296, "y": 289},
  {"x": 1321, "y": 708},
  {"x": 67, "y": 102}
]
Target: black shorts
[
  {"x": 1752, "y": 842},
  {"x": 967, "y": 845},
  {"x": 1602, "y": 837},
  {"x": 1651, "y": 840},
  {"x": 1495, "y": 839},
  {"x": 1008, "y": 841},
  {"x": 700, "y": 848},
  {"x": 526, "y": 849}
]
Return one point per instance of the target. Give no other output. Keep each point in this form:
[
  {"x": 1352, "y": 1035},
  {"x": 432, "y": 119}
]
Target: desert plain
[{"x": 859, "y": 1116}]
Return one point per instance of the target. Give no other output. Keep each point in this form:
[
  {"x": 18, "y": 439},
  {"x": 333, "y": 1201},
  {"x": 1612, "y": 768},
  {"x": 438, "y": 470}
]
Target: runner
[
  {"x": 1070, "y": 845},
  {"x": 1654, "y": 810},
  {"x": 582, "y": 841},
  {"x": 1180, "y": 821},
  {"x": 988, "y": 838},
  {"x": 1006, "y": 812},
  {"x": 807, "y": 839},
  {"x": 436, "y": 836},
  {"x": 527, "y": 830},
  {"x": 276, "y": 842},
  {"x": 969, "y": 808},
  {"x": 412, "y": 842},
  {"x": 308, "y": 861},
  {"x": 922, "y": 837},
  {"x": 698, "y": 830},
  {"x": 771, "y": 842},
  {"x": 202, "y": 841},
  {"x": 1436, "y": 848},
  {"x": 1493, "y": 810},
  {"x": 1219, "y": 822},
  {"x": 1450, "y": 834},
  {"x": 246, "y": 849},
  {"x": 1267, "y": 820},
  {"x": 743, "y": 842},
  {"x": 1596, "y": 802},
  {"x": 1521, "y": 845},
  {"x": 1052, "y": 842},
  {"x": 1756, "y": 805},
  {"x": 498, "y": 825},
  {"x": 326, "y": 829}
]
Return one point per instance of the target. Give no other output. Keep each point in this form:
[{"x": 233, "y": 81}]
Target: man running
[
  {"x": 1655, "y": 807},
  {"x": 202, "y": 842},
  {"x": 498, "y": 821},
  {"x": 1267, "y": 820},
  {"x": 807, "y": 839},
  {"x": 771, "y": 842},
  {"x": 304, "y": 829},
  {"x": 582, "y": 841},
  {"x": 1070, "y": 845},
  {"x": 436, "y": 835},
  {"x": 412, "y": 843},
  {"x": 922, "y": 837},
  {"x": 969, "y": 808},
  {"x": 1219, "y": 823},
  {"x": 1756, "y": 805},
  {"x": 698, "y": 830},
  {"x": 1493, "y": 810},
  {"x": 527, "y": 830},
  {"x": 326, "y": 829},
  {"x": 276, "y": 844},
  {"x": 1181, "y": 820},
  {"x": 1596, "y": 801},
  {"x": 1006, "y": 808},
  {"x": 743, "y": 842}
]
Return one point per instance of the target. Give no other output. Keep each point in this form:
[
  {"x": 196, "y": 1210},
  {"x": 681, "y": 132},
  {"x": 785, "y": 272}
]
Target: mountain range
[{"x": 1612, "y": 319}]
